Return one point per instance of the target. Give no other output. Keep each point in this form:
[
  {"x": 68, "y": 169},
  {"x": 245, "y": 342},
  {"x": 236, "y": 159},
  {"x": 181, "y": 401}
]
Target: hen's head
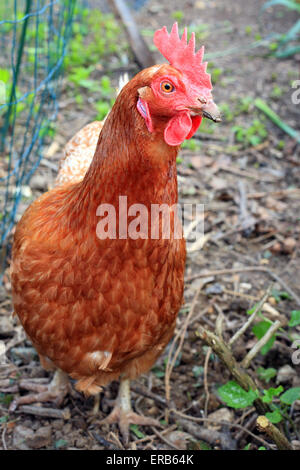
[{"x": 178, "y": 92}]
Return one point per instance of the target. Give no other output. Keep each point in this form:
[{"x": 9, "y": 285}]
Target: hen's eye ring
[{"x": 167, "y": 87}]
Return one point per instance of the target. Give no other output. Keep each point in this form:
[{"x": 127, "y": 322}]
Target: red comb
[{"x": 181, "y": 54}]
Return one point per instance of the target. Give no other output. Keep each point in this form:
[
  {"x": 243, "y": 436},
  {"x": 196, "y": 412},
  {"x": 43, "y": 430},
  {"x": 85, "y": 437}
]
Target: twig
[
  {"x": 252, "y": 298},
  {"x": 237, "y": 228},
  {"x": 280, "y": 440},
  {"x": 246, "y": 174},
  {"x": 209, "y": 435},
  {"x": 145, "y": 392},
  {"x": 243, "y": 379},
  {"x": 166, "y": 441},
  {"x": 281, "y": 192},
  {"x": 152, "y": 436},
  {"x": 116, "y": 439},
  {"x": 247, "y": 221},
  {"x": 246, "y": 325},
  {"x": 46, "y": 412},
  {"x": 181, "y": 334},
  {"x": 225, "y": 355},
  {"x": 257, "y": 347},
  {"x": 244, "y": 270},
  {"x": 207, "y": 395},
  {"x": 3, "y": 438},
  {"x": 219, "y": 321},
  {"x": 223, "y": 423},
  {"x": 137, "y": 43},
  {"x": 102, "y": 441}
]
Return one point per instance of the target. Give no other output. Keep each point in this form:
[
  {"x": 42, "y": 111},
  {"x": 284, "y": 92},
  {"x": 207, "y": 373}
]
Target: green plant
[
  {"x": 216, "y": 73},
  {"x": 278, "y": 400},
  {"x": 251, "y": 135},
  {"x": 295, "y": 318},
  {"x": 5, "y": 78},
  {"x": 104, "y": 39},
  {"x": 281, "y": 49},
  {"x": 106, "y": 92},
  {"x": 178, "y": 15},
  {"x": 227, "y": 112},
  {"x": 192, "y": 144},
  {"x": 262, "y": 106},
  {"x": 276, "y": 92}
]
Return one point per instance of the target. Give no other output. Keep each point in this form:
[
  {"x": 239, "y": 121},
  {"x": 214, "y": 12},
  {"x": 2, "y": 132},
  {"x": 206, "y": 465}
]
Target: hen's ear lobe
[
  {"x": 145, "y": 92},
  {"x": 143, "y": 108}
]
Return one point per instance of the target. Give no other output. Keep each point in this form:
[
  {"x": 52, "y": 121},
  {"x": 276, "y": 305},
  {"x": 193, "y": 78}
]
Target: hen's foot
[
  {"x": 123, "y": 415},
  {"x": 55, "y": 391}
]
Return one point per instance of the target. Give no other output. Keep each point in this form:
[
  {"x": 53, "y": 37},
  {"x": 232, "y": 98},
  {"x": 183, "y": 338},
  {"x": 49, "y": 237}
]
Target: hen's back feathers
[
  {"x": 79, "y": 153},
  {"x": 80, "y": 150}
]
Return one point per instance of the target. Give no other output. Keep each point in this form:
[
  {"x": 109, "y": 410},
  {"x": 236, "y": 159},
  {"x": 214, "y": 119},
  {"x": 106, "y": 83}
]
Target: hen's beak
[{"x": 209, "y": 110}]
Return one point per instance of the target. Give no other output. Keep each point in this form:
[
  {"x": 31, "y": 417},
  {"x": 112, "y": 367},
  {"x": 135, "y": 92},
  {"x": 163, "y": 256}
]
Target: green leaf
[
  {"x": 290, "y": 396},
  {"x": 274, "y": 416},
  {"x": 292, "y": 33},
  {"x": 4, "y": 75},
  {"x": 252, "y": 310},
  {"x": 266, "y": 374},
  {"x": 295, "y": 318},
  {"x": 198, "y": 371},
  {"x": 262, "y": 106},
  {"x": 6, "y": 399},
  {"x": 235, "y": 396},
  {"x": 287, "y": 52},
  {"x": 271, "y": 393},
  {"x": 260, "y": 330},
  {"x": 135, "y": 429},
  {"x": 60, "y": 443}
]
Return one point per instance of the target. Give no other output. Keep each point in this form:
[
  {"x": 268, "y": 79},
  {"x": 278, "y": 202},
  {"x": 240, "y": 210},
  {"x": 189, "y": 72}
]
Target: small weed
[
  {"x": 192, "y": 144},
  {"x": 178, "y": 15},
  {"x": 277, "y": 92},
  {"x": 252, "y": 135}
]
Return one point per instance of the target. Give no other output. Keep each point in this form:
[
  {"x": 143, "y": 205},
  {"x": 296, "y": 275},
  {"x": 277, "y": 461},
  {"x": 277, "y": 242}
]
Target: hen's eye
[{"x": 167, "y": 87}]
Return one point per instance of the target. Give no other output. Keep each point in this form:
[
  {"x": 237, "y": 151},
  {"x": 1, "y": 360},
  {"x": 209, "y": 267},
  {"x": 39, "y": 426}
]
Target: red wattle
[
  {"x": 178, "y": 128},
  {"x": 196, "y": 121}
]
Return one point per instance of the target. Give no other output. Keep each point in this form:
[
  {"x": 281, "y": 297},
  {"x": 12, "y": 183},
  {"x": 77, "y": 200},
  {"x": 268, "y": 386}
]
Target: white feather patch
[{"x": 100, "y": 358}]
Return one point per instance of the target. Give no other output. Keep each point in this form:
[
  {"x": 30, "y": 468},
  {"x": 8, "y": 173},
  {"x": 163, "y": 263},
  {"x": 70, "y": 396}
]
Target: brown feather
[{"x": 99, "y": 308}]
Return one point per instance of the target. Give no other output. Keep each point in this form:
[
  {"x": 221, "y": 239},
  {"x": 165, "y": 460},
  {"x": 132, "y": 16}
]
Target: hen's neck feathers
[{"x": 130, "y": 161}]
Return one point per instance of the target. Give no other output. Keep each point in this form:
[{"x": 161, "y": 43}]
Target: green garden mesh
[{"x": 33, "y": 40}]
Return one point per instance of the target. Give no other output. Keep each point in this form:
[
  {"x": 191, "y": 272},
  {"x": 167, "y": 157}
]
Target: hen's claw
[
  {"x": 124, "y": 419},
  {"x": 55, "y": 391},
  {"x": 123, "y": 415}
]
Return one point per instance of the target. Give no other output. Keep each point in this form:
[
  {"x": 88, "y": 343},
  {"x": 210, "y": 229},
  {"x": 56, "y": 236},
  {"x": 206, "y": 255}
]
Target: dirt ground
[{"x": 252, "y": 242}]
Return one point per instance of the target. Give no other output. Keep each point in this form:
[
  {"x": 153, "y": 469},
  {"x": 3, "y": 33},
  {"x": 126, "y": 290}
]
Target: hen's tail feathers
[{"x": 80, "y": 150}]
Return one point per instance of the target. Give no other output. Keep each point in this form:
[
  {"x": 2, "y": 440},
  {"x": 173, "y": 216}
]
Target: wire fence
[{"x": 33, "y": 38}]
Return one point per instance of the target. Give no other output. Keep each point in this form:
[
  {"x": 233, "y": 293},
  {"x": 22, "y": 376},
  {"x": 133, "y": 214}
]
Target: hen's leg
[
  {"x": 123, "y": 415},
  {"x": 55, "y": 391}
]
